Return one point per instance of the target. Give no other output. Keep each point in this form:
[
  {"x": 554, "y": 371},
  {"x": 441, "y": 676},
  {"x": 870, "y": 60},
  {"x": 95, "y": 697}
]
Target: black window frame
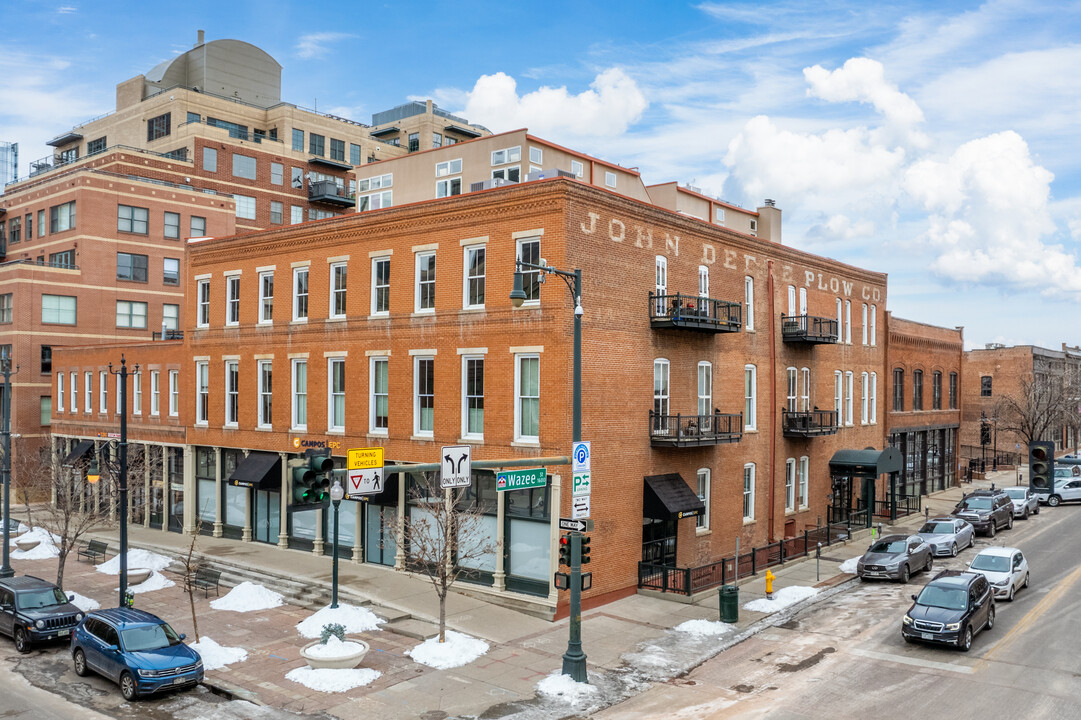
[
  {"x": 129, "y": 224},
  {"x": 316, "y": 144},
  {"x": 936, "y": 390},
  {"x": 986, "y": 385},
  {"x": 337, "y": 149},
  {"x": 953, "y": 391},
  {"x": 898, "y": 390},
  {"x": 917, "y": 390},
  {"x": 129, "y": 270},
  {"x": 158, "y": 127}
]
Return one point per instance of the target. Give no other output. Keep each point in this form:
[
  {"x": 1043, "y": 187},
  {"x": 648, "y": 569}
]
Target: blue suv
[{"x": 136, "y": 650}]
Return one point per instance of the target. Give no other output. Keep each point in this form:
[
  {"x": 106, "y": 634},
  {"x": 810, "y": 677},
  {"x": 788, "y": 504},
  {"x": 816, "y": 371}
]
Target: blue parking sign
[{"x": 580, "y": 456}]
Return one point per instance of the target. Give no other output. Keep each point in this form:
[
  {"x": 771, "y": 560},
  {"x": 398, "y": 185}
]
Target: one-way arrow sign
[{"x": 575, "y": 525}]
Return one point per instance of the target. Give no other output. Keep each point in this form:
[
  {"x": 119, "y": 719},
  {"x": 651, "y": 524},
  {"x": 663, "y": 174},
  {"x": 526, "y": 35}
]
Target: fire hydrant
[{"x": 769, "y": 584}]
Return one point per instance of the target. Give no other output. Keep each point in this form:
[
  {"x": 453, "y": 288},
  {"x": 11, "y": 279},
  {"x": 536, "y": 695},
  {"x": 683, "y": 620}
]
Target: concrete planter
[
  {"x": 344, "y": 662},
  {"x": 25, "y": 544},
  {"x": 138, "y": 576}
]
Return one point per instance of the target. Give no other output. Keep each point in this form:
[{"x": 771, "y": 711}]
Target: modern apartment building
[
  {"x": 9, "y": 163},
  {"x": 720, "y": 368}
]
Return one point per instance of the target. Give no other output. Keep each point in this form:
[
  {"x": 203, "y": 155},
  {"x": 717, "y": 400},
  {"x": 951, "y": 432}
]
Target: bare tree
[
  {"x": 191, "y": 567},
  {"x": 445, "y": 538},
  {"x": 1042, "y": 405},
  {"x": 60, "y": 500}
]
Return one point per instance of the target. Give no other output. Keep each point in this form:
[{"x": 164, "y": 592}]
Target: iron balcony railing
[
  {"x": 808, "y": 329},
  {"x": 809, "y": 423},
  {"x": 694, "y": 430},
  {"x": 329, "y": 192},
  {"x": 168, "y": 335},
  {"x": 693, "y": 312}
]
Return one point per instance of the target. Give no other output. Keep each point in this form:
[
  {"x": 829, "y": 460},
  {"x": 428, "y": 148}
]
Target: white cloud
[
  {"x": 611, "y": 105},
  {"x": 315, "y": 45},
  {"x": 66, "y": 10},
  {"x": 863, "y": 80}
]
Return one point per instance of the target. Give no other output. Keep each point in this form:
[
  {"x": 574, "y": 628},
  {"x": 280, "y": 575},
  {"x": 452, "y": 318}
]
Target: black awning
[
  {"x": 81, "y": 449},
  {"x": 462, "y": 131},
  {"x": 316, "y": 160},
  {"x": 865, "y": 463},
  {"x": 669, "y": 497},
  {"x": 260, "y": 470},
  {"x": 384, "y": 131}
]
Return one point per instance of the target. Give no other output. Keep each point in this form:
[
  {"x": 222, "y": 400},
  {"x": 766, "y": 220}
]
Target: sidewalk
[{"x": 629, "y": 634}]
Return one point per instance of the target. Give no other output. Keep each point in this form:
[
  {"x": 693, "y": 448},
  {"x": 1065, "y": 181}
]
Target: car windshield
[
  {"x": 978, "y": 503},
  {"x": 895, "y": 546},
  {"x": 943, "y": 597},
  {"x": 34, "y": 599},
  {"x": 933, "y": 527},
  {"x": 993, "y": 563},
  {"x": 149, "y": 637},
  {"x": 1017, "y": 493},
  {"x": 1063, "y": 472}
]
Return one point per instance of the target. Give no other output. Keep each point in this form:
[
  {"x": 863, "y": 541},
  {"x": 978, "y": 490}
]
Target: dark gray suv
[
  {"x": 33, "y": 610},
  {"x": 986, "y": 510}
]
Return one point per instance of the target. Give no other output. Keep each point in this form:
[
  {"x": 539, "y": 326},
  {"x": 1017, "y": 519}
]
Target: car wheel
[
  {"x": 1010, "y": 596},
  {"x": 1025, "y": 584},
  {"x": 905, "y": 575},
  {"x": 930, "y": 563},
  {"x": 965, "y": 641},
  {"x": 1054, "y": 500},
  {"x": 1009, "y": 522},
  {"x": 953, "y": 550},
  {"x": 22, "y": 642},
  {"x": 991, "y": 529},
  {"x": 79, "y": 659},
  {"x": 1036, "y": 510},
  {"x": 127, "y": 687},
  {"x": 907, "y": 638},
  {"x": 1024, "y": 515}
]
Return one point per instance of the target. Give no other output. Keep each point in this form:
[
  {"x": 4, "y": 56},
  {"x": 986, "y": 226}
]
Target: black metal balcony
[
  {"x": 692, "y": 312},
  {"x": 810, "y": 423},
  {"x": 808, "y": 329},
  {"x": 168, "y": 335},
  {"x": 694, "y": 430},
  {"x": 329, "y": 192}
]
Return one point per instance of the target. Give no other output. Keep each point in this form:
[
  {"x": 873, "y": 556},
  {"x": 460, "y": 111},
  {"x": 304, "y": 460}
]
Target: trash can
[{"x": 729, "y": 600}]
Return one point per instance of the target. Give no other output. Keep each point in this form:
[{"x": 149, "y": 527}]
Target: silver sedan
[
  {"x": 1024, "y": 502},
  {"x": 947, "y": 535}
]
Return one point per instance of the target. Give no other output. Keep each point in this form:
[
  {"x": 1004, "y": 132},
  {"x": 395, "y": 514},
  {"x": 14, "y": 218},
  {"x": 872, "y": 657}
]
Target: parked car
[
  {"x": 986, "y": 510},
  {"x": 138, "y": 651},
  {"x": 1065, "y": 490},
  {"x": 895, "y": 557},
  {"x": 1024, "y": 502},
  {"x": 33, "y": 611},
  {"x": 950, "y": 609},
  {"x": 1004, "y": 567},
  {"x": 947, "y": 535}
]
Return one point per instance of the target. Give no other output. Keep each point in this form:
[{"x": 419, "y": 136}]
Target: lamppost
[
  {"x": 336, "y": 494},
  {"x": 122, "y": 481},
  {"x": 574, "y": 659},
  {"x": 5, "y": 428}
]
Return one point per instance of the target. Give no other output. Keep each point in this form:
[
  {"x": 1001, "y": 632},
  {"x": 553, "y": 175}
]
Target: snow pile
[
  {"x": 706, "y": 628},
  {"x": 330, "y": 681},
  {"x": 849, "y": 565},
  {"x": 215, "y": 656},
  {"x": 136, "y": 559},
  {"x": 84, "y": 603},
  {"x": 456, "y": 651},
  {"x": 156, "y": 581},
  {"x": 46, "y": 547},
  {"x": 355, "y": 619},
  {"x": 563, "y": 686},
  {"x": 781, "y": 599},
  {"x": 335, "y": 649},
  {"x": 248, "y": 597}
]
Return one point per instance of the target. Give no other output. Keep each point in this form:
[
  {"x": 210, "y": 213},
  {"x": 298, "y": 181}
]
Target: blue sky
[{"x": 932, "y": 141}]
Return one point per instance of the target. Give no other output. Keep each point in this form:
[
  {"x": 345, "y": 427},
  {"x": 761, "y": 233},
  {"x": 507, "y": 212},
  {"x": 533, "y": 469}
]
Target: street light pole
[
  {"x": 336, "y": 494},
  {"x": 5, "y": 428},
  {"x": 122, "y": 481},
  {"x": 574, "y": 659}
]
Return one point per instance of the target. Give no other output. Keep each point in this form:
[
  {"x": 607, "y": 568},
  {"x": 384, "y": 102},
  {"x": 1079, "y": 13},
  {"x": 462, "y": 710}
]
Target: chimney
[
  {"x": 769, "y": 222},
  {"x": 202, "y": 38}
]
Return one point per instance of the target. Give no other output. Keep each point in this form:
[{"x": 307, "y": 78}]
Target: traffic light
[
  {"x": 1041, "y": 466},
  {"x": 565, "y": 550},
  {"x": 585, "y": 549},
  {"x": 311, "y": 480}
]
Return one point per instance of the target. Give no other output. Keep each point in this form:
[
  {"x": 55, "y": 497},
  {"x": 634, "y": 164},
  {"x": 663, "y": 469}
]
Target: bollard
[
  {"x": 818, "y": 563},
  {"x": 769, "y": 584}
]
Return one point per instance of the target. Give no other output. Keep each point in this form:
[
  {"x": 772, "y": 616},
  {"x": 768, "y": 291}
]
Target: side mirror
[
  {"x": 183, "y": 636},
  {"x": 71, "y": 598},
  {"x": 5, "y": 607},
  {"x": 913, "y": 597},
  {"x": 969, "y": 563},
  {"x": 112, "y": 648}
]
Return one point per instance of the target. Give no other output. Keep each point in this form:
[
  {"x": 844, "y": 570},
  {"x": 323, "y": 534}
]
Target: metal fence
[{"x": 688, "y": 581}]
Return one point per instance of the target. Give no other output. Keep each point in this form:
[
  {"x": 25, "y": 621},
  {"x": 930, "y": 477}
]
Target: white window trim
[
  {"x": 417, "y": 432},
  {"x": 117, "y": 391},
  {"x": 334, "y": 267},
  {"x": 874, "y": 325},
  {"x": 294, "y": 364},
  {"x": 703, "y": 281},
  {"x": 802, "y": 475},
  {"x": 465, "y": 275},
  {"x": 88, "y": 391},
  {"x": 225, "y": 384},
  {"x": 331, "y": 427},
  {"x": 174, "y": 393},
  {"x": 838, "y": 397},
  {"x": 848, "y": 322},
  {"x": 610, "y": 179},
  {"x": 155, "y": 393},
  {"x": 666, "y": 391},
  {"x": 263, "y": 320},
  {"x": 261, "y": 422},
  {"x": 849, "y": 420},
  {"x": 60, "y": 391},
  {"x": 660, "y": 283},
  {"x": 746, "y": 494},
  {"x": 791, "y": 389},
  {"x": 103, "y": 391},
  {"x": 296, "y": 297},
  {"x": 748, "y": 303},
  {"x": 805, "y": 390},
  {"x": 416, "y": 281},
  {"x": 73, "y": 392},
  {"x": 709, "y": 394},
  {"x": 702, "y": 526},
  {"x": 202, "y": 309},
  {"x": 466, "y": 435},
  {"x": 874, "y": 398},
  {"x": 518, "y": 358},
  {"x": 750, "y": 423},
  {"x": 865, "y": 323},
  {"x": 202, "y": 368},
  {"x": 864, "y": 389},
  {"x": 534, "y": 236},
  {"x": 137, "y": 393},
  {"x": 232, "y": 281},
  {"x": 790, "y": 485},
  {"x": 372, "y": 429}
]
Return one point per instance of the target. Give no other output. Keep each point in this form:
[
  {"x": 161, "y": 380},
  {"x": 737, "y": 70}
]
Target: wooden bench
[
  {"x": 206, "y": 578},
  {"x": 94, "y": 549}
]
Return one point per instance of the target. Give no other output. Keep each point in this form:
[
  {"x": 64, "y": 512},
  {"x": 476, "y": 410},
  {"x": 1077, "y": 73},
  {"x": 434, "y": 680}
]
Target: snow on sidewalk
[
  {"x": 137, "y": 559},
  {"x": 84, "y": 603},
  {"x": 782, "y": 598},
  {"x": 248, "y": 597},
  {"x": 355, "y": 619},
  {"x": 332, "y": 681},
  {"x": 849, "y": 565},
  {"x": 46, "y": 548},
  {"x": 458, "y": 650},
  {"x": 215, "y": 656},
  {"x": 565, "y": 688},
  {"x": 706, "y": 628}
]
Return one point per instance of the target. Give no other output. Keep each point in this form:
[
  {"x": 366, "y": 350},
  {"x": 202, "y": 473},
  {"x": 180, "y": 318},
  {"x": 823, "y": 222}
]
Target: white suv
[{"x": 1064, "y": 491}]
